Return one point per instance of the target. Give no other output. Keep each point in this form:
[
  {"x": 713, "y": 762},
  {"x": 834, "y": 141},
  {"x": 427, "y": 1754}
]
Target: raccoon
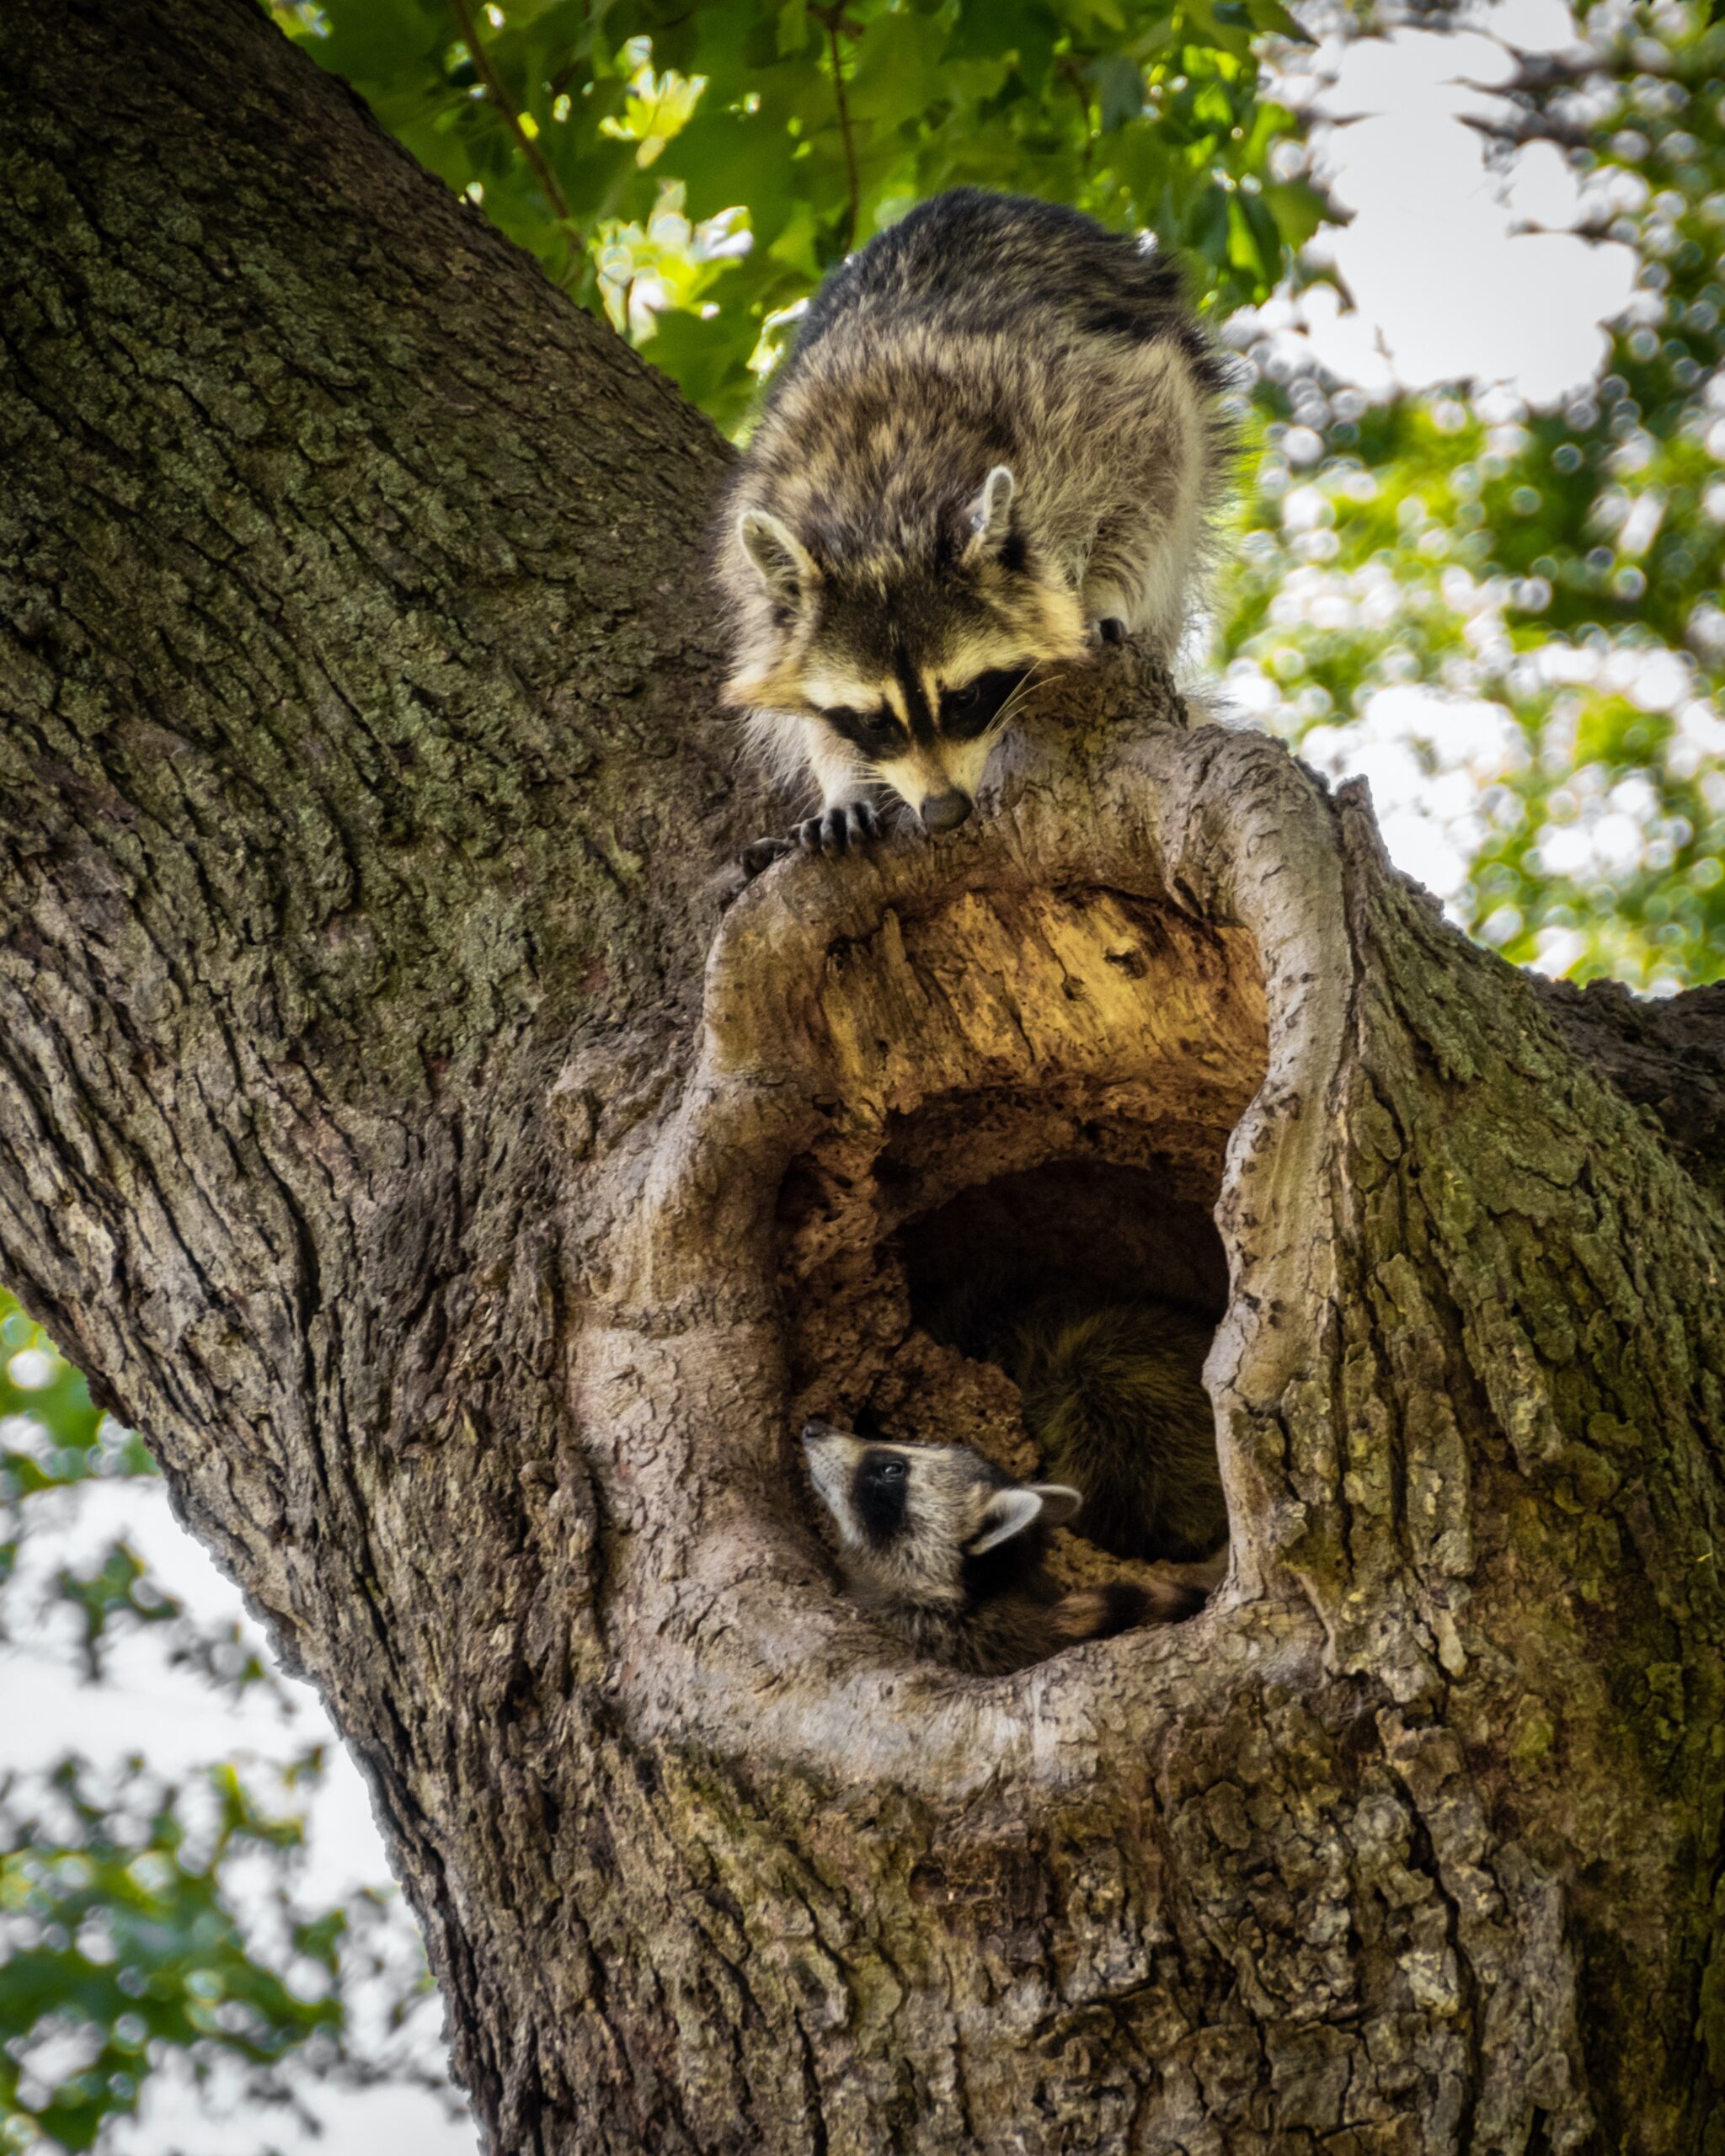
[
  {"x": 948, "y": 1550},
  {"x": 996, "y": 442},
  {"x": 1114, "y": 1400},
  {"x": 1114, "y": 1397}
]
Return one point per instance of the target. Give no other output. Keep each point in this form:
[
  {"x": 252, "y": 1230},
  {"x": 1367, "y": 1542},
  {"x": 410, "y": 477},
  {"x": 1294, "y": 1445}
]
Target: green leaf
[
  {"x": 1119, "y": 91},
  {"x": 1298, "y": 209},
  {"x": 792, "y": 34},
  {"x": 1272, "y": 15}
]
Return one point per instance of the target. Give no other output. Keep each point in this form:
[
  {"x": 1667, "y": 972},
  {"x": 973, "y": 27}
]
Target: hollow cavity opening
[
  {"x": 1005, "y": 1237},
  {"x": 1056, "y": 1317}
]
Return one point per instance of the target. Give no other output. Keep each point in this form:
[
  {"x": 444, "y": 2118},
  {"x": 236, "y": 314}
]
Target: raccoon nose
[{"x": 944, "y": 812}]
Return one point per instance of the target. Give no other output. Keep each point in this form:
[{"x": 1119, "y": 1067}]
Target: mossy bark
[{"x": 398, "y": 1126}]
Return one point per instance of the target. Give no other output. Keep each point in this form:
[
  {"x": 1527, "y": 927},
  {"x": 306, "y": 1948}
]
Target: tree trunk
[{"x": 371, "y": 1132}]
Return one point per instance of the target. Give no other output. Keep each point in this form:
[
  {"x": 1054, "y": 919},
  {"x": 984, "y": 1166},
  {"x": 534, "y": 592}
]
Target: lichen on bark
[{"x": 411, "y": 1125}]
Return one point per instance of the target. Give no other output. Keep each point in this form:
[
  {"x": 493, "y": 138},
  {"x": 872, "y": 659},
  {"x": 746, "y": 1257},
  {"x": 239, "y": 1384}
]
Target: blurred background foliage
[
  {"x": 1556, "y": 574},
  {"x": 694, "y": 170},
  {"x": 1521, "y": 607},
  {"x": 150, "y": 1924}
]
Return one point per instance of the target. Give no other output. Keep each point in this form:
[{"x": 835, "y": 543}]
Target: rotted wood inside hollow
[{"x": 1043, "y": 1081}]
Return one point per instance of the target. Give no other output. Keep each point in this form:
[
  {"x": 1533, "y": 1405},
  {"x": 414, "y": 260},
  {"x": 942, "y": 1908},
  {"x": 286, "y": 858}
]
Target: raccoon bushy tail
[
  {"x": 1114, "y": 1398},
  {"x": 1098, "y": 1613}
]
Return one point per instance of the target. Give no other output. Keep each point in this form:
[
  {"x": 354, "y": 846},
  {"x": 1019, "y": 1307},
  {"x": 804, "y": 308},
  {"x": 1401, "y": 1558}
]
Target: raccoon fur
[
  {"x": 945, "y": 1547},
  {"x": 1114, "y": 1400},
  {"x": 995, "y": 441}
]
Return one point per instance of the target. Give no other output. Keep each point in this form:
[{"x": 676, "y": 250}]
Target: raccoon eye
[
  {"x": 892, "y": 1471},
  {"x": 967, "y": 711},
  {"x": 875, "y": 733}
]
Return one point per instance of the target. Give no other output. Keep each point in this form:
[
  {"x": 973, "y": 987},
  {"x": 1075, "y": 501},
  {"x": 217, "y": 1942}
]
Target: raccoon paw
[
  {"x": 836, "y": 830},
  {"x": 754, "y": 859}
]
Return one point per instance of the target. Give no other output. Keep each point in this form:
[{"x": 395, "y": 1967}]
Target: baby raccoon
[
  {"x": 1113, "y": 1399},
  {"x": 949, "y": 1551},
  {"x": 1114, "y": 1395},
  {"x": 995, "y": 441}
]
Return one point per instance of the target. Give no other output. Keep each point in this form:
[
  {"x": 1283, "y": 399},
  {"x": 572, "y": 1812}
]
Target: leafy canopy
[
  {"x": 695, "y": 170},
  {"x": 1559, "y": 575}
]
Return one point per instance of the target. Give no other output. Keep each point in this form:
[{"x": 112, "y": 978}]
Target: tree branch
[
  {"x": 383, "y": 823},
  {"x": 1666, "y": 1055},
  {"x": 832, "y": 18},
  {"x": 499, "y": 97}
]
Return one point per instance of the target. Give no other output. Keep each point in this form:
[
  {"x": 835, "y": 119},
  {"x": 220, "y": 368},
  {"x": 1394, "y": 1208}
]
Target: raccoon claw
[
  {"x": 763, "y": 853},
  {"x": 836, "y": 830}
]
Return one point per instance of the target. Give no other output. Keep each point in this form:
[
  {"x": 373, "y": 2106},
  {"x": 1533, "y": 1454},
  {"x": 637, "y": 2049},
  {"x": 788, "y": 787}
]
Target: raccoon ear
[
  {"x": 1061, "y": 1503},
  {"x": 787, "y": 567},
  {"x": 1010, "y": 1511},
  {"x": 991, "y": 514}
]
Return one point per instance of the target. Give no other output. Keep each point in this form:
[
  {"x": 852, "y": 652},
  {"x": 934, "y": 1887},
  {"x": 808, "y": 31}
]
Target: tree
[{"x": 406, "y": 1121}]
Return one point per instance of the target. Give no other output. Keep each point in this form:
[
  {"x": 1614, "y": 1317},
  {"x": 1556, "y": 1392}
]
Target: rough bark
[{"x": 395, "y": 1122}]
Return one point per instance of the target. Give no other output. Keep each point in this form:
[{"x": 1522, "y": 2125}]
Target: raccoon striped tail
[
  {"x": 1098, "y": 1613},
  {"x": 1115, "y": 1399}
]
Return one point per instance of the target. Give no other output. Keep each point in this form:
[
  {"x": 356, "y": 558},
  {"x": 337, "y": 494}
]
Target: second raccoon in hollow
[
  {"x": 944, "y": 1547},
  {"x": 1112, "y": 1390},
  {"x": 995, "y": 439},
  {"x": 1114, "y": 1397}
]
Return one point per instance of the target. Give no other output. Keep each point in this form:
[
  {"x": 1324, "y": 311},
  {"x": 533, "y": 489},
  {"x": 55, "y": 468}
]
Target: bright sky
[
  {"x": 1446, "y": 288},
  {"x": 1450, "y": 285},
  {"x": 1445, "y": 291}
]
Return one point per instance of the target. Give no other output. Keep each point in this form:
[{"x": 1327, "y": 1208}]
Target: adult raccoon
[{"x": 996, "y": 442}]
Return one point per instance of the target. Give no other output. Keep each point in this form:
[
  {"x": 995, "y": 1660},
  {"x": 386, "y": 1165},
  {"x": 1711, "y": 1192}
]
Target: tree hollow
[{"x": 1071, "y": 1015}]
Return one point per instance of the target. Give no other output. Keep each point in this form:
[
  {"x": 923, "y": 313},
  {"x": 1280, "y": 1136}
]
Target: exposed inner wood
[{"x": 1044, "y": 1081}]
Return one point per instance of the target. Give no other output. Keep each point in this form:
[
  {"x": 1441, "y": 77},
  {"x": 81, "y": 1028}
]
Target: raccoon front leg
[
  {"x": 835, "y": 830},
  {"x": 848, "y": 817}
]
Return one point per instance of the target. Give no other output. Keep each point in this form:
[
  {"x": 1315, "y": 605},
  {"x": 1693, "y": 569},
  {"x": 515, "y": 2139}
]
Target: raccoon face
[
  {"x": 912, "y": 657},
  {"x": 912, "y": 1519},
  {"x": 929, "y": 740}
]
